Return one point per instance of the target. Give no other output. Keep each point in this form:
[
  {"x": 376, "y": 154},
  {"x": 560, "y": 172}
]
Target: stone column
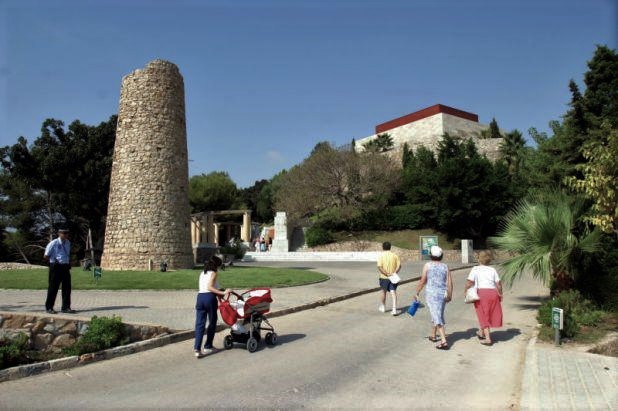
[
  {"x": 467, "y": 252},
  {"x": 215, "y": 238},
  {"x": 280, "y": 242},
  {"x": 246, "y": 227},
  {"x": 148, "y": 215},
  {"x": 211, "y": 229}
]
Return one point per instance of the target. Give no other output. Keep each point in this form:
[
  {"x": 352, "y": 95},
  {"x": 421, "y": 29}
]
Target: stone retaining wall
[
  {"x": 403, "y": 253},
  {"x": 52, "y": 334}
]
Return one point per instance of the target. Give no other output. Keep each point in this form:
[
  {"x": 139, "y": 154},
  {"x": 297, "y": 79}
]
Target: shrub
[
  {"x": 399, "y": 217},
  {"x": 318, "y": 236},
  {"x": 103, "y": 333},
  {"x": 235, "y": 248},
  {"x": 577, "y": 312},
  {"x": 13, "y": 351}
]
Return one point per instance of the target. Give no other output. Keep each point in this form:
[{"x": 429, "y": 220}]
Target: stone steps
[{"x": 313, "y": 256}]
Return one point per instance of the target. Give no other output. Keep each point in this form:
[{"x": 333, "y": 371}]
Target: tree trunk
[{"x": 562, "y": 282}]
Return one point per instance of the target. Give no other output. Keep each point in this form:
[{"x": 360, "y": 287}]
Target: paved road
[{"x": 345, "y": 354}]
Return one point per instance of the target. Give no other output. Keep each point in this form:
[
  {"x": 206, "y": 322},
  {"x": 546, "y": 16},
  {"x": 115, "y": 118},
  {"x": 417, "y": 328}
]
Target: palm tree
[
  {"x": 547, "y": 238},
  {"x": 512, "y": 148}
]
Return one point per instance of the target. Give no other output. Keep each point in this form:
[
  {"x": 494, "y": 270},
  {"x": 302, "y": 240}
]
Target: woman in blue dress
[{"x": 437, "y": 276}]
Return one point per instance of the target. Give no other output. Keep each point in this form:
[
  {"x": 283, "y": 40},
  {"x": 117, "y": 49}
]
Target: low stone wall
[
  {"x": 52, "y": 334},
  {"x": 403, "y": 253}
]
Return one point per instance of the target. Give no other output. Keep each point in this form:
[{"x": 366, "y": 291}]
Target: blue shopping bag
[{"x": 413, "y": 307}]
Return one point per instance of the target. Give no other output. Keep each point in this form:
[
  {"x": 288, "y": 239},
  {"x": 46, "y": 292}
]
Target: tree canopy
[{"x": 212, "y": 192}]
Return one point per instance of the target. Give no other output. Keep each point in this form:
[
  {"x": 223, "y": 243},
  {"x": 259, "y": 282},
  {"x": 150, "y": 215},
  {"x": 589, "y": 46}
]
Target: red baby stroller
[{"x": 247, "y": 308}]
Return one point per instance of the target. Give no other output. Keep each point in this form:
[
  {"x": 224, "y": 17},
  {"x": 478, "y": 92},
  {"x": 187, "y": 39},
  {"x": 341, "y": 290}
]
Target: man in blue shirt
[{"x": 58, "y": 254}]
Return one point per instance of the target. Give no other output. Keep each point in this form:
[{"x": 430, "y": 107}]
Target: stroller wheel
[
  {"x": 252, "y": 344},
  {"x": 271, "y": 338},
  {"x": 228, "y": 342}
]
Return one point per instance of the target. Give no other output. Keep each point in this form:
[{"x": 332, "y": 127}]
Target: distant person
[
  {"x": 58, "y": 253},
  {"x": 437, "y": 276},
  {"x": 488, "y": 308},
  {"x": 388, "y": 263},
  {"x": 257, "y": 244},
  {"x": 206, "y": 306},
  {"x": 262, "y": 244}
]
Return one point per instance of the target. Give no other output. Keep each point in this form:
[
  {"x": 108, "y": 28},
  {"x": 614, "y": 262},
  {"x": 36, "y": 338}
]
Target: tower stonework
[{"x": 148, "y": 216}]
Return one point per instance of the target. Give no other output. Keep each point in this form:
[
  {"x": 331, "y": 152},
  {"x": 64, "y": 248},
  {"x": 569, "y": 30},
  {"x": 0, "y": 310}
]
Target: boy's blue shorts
[{"x": 386, "y": 285}]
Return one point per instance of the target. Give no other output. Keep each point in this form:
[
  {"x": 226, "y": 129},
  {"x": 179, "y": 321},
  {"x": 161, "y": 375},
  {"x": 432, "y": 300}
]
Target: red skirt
[{"x": 488, "y": 308}]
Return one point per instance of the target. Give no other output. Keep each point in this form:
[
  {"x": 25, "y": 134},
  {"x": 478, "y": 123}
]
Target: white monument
[
  {"x": 467, "y": 252},
  {"x": 280, "y": 242}
]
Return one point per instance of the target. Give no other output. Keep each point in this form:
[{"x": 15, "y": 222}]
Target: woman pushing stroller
[{"x": 206, "y": 306}]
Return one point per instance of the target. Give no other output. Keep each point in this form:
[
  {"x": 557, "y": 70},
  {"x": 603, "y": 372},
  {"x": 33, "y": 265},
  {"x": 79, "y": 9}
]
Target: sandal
[
  {"x": 487, "y": 343},
  {"x": 442, "y": 346},
  {"x": 480, "y": 336},
  {"x": 432, "y": 339}
]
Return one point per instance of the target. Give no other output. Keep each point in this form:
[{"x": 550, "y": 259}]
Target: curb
[{"x": 22, "y": 371}]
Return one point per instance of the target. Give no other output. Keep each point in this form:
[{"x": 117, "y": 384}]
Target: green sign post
[
  {"x": 97, "y": 272},
  {"x": 426, "y": 241},
  {"x": 557, "y": 323}
]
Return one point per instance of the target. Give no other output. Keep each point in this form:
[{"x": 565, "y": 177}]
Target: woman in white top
[
  {"x": 489, "y": 307},
  {"x": 206, "y": 306}
]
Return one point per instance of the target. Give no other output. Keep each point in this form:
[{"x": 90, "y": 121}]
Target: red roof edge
[{"x": 424, "y": 113}]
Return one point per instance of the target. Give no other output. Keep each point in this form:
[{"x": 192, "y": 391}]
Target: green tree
[
  {"x": 512, "y": 150},
  {"x": 381, "y": 144},
  {"x": 493, "y": 131},
  {"x": 214, "y": 191},
  {"x": 336, "y": 179},
  {"x": 600, "y": 178},
  {"x": 460, "y": 192},
  {"x": 547, "y": 238},
  {"x": 601, "y": 96},
  {"x": 406, "y": 155},
  {"x": 559, "y": 158},
  {"x": 62, "y": 178}
]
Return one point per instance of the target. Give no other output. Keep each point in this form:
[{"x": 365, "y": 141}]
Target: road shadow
[
  {"x": 113, "y": 307},
  {"x": 23, "y": 307},
  {"x": 505, "y": 335},
  {"x": 532, "y": 302},
  {"x": 452, "y": 338},
  {"x": 470, "y": 333},
  {"x": 288, "y": 338}
]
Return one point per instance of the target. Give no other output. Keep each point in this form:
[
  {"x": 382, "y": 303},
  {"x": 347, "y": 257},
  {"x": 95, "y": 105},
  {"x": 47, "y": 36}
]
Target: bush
[
  {"x": 13, "y": 352},
  {"x": 235, "y": 248},
  {"x": 318, "y": 236},
  {"x": 103, "y": 333},
  {"x": 577, "y": 312},
  {"x": 399, "y": 217}
]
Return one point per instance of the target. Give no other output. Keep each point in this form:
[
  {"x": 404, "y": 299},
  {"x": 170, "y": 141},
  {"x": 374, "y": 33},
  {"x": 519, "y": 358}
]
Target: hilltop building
[{"x": 427, "y": 126}]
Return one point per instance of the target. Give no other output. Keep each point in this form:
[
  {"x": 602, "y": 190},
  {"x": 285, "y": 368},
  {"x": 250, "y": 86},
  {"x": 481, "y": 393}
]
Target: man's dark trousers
[{"x": 59, "y": 274}]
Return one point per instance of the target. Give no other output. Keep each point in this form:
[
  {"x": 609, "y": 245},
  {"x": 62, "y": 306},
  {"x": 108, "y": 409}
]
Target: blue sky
[{"x": 265, "y": 80}]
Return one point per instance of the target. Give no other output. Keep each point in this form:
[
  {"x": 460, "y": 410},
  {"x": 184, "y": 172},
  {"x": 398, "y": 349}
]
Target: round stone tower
[{"x": 148, "y": 216}]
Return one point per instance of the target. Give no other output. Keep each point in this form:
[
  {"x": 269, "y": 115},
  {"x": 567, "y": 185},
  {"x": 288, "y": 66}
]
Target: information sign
[{"x": 426, "y": 241}]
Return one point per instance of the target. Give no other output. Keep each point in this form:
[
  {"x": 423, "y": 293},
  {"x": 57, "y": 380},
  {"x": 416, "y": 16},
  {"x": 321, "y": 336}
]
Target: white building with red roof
[{"x": 427, "y": 126}]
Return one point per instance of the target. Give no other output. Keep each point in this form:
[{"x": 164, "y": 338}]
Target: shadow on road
[
  {"x": 534, "y": 302},
  {"x": 505, "y": 335},
  {"x": 113, "y": 307},
  {"x": 496, "y": 336}
]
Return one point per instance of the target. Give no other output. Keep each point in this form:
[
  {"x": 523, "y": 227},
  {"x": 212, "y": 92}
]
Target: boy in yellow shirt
[{"x": 388, "y": 264}]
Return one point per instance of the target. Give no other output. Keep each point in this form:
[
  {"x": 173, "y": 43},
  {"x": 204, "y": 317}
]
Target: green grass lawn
[
  {"x": 408, "y": 239},
  {"x": 231, "y": 277}
]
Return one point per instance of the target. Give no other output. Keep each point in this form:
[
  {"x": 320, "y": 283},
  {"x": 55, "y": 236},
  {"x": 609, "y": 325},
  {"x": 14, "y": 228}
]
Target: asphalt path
[{"x": 342, "y": 355}]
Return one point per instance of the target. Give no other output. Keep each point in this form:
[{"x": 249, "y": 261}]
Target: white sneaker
[
  {"x": 207, "y": 351},
  {"x": 396, "y": 312},
  {"x": 198, "y": 354},
  {"x": 381, "y": 308}
]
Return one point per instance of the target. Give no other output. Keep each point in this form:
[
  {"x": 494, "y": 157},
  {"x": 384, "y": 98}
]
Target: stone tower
[{"x": 148, "y": 216}]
